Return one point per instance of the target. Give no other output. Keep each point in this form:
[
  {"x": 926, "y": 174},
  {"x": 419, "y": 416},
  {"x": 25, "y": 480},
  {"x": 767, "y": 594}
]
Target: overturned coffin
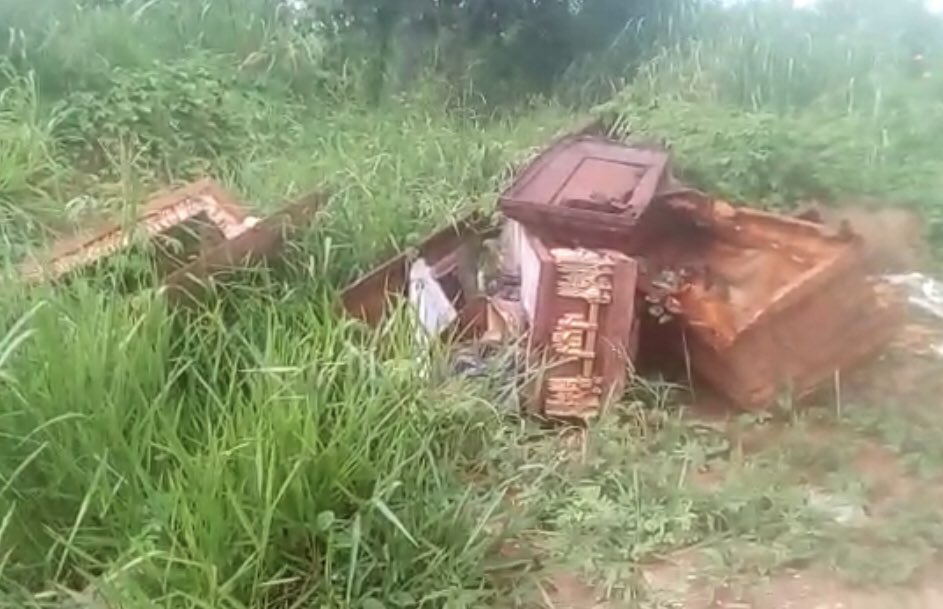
[{"x": 767, "y": 305}]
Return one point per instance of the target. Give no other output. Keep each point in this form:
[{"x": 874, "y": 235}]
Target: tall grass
[
  {"x": 263, "y": 452},
  {"x": 29, "y": 163},
  {"x": 773, "y": 105}
]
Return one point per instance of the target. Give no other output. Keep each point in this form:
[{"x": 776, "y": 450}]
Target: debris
[
  {"x": 434, "y": 309},
  {"x": 923, "y": 292},
  {"x": 605, "y": 259},
  {"x": 91, "y": 597},
  {"x": 469, "y": 362},
  {"x": 215, "y": 213},
  {"x": 368, "y": 298},
  {"x": 843, "y": 510},
  {"x": 256, "y": 243},
  {"x": 505, "y": 320},
  {"x": 926, "y": 295}
]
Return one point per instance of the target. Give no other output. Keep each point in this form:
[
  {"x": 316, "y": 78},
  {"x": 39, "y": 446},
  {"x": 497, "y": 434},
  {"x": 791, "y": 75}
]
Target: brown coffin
[
  {"x": 259, "y": 243},
  {"x": 580, "y": 304},
  {"x": 160, "y": 215},
  {"x": 368, "y": 298},
  {"x": 586, "y": 186},
  {"x": 768, "y": 304}
]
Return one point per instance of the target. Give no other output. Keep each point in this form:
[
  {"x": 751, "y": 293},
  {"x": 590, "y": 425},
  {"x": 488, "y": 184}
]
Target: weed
[
  {"x": 29, "y": 168},
  {"x": 797, "y": 105},
  {"x": 179, "y": 117}
]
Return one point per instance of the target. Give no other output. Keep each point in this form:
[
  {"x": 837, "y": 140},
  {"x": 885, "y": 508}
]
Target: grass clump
[{"x": 262, "y": 453}]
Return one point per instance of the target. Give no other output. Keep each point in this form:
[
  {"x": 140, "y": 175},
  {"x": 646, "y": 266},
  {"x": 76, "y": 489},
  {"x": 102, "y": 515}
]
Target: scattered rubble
[
  {"x": 606, "y": 261},
  {"x": 924, "y": 293},
  {"x": 841, "y": 509}
]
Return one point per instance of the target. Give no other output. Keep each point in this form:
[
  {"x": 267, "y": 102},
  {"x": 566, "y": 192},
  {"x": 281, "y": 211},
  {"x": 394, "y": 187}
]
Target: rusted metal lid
[{"x": 586, "y": 182}]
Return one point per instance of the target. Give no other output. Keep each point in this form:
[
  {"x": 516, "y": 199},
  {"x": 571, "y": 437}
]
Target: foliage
[
  {"x": 169, "y": 114},
  {"x": 825, "y": 108},
  {"x": 29, "y": 163},
  {"x": 264, "y": 452},
  {"x": 506, "y": 48},
  {"x": 312, "y": 457}
]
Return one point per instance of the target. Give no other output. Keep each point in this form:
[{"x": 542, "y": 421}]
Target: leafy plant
[{"x": 174, "y": 116}]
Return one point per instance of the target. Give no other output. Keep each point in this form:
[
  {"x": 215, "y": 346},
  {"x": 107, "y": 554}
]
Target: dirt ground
[
  {"x": 909, "y": 375},
  {"x": 677, "y": 585}
]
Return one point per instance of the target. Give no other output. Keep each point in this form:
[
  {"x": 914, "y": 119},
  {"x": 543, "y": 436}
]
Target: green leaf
[
  {"x": 387, "y": 513},
  {"x": 324, "y": 521},
  {"x": 402, "y": 599}
]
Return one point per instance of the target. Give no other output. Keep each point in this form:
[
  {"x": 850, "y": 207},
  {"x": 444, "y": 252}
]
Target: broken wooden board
[
  {"x": 259, "y": 243},
  {"x": 163, "y": 213}
]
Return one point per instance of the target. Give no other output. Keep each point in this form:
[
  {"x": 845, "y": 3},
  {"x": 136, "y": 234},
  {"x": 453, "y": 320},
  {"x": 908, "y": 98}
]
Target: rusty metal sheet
[
  {"x": 581, "y": 313},
  {"x": 258, "y": 243},
  {"x": 158, "y": 216},
  {"x": 368, "y": 298},
  {"x": 767, "y": 303},
  {"x": 586, "y": 185}
]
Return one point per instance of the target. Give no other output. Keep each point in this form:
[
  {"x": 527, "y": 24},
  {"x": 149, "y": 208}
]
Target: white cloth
[{"x": 433, "y": 307}]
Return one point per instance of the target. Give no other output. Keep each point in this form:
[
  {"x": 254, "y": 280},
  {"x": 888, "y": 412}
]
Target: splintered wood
[
  {"x": 259, "y": 242},
  {"x": 160, "y": 215}
]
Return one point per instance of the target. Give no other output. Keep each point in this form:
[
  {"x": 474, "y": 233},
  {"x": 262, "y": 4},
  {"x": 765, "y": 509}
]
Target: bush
[{"x": 179, "y": 115}]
